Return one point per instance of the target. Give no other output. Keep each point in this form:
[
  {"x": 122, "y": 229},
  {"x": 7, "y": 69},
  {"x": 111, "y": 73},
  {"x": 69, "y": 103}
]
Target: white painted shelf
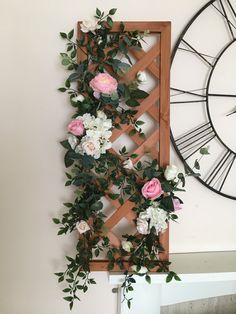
[{"x": 203, "y": 275}]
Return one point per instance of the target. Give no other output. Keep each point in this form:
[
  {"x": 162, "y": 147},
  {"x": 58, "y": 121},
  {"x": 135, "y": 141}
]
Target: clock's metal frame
[{"x": 192, "y": 20}]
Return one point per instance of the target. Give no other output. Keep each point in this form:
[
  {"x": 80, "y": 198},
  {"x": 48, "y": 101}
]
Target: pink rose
[
  {"x": 76, "y": 127},
  {"x": 152, "y": 189},
  {"x": 103, "y": 83},
  {"x": 177, "y": 204}
]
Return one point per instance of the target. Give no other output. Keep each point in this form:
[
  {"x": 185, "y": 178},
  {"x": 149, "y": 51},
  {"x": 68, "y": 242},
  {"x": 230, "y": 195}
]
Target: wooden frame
[{"x": 161, "y": 136}]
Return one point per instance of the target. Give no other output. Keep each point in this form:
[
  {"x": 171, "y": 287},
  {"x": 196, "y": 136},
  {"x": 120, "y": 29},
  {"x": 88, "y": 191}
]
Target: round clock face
[{"x": 203, "y": 95}]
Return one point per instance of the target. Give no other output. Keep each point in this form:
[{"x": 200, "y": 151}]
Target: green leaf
[
  {"x": 122, "y": 27},
  {"x": 139, "y": 122},
  {"x": 113, "y": 196},
  {"x": 139, "y": 94},
  {"x": 204, "y": 151},
  {"x": 69, "y": 299},
  {"x": 196, "y": 165},
  {"x": 129, "y": 304},
  {"x": 66, "y": 290},
  {"x": 67, "y": 83},
  {"x": 148, "y": 278},
  {"x": 61, "y": 279},
  {"x": 170, "y": 276},
  {"x": 70, "y": 34},
  {"x": 167, "y": 203},
  {"x": 176, "y": 277},
  {"x": 132, "y": 103},
  {"x": 109, "y": 21},
  {"x": 60, "y": 232},
  {"x": 63, "y": 35},
  {"x": 65, "y": 61},
  {"x": 69, "y": 205},
  {"x": 73, "y": 54},
  {"x": 65, "y": 144},
  {"x": 74, "y": 76},
  {"x": 62, "y": 89},
  {"x": 98, "y": 12},
  {"x": 71, "y": 305},
  {"x": 132, "y": 132},
  {"x": 59, "y": 274},
  {"x": 70, "y": 259},
  {"x": 112, "y": 11},
  {"x": 56, "y": 221}
]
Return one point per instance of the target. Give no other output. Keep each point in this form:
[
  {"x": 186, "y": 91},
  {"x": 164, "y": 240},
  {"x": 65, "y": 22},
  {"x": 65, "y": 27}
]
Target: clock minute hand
[
  {"x": 222, "y": 95},
  {"x": 229, "y": 114}
]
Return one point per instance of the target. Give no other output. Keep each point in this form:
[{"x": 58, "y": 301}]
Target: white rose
[
  {"x": 126, "y": 245},
  {"x": 89, "y": 26},
  {"x": 171, "y": 172},
  {"x": 142, "y": 226},
  {"x": 73, "y": 141},
  {"x": 78, "y": 98},
  {"x": 82, "y": 226},
  {"x": 89, "y": 146},
  {"x": 128, "y": 164},
  {"x": 141, "y": 75},
  {"x": 143, "y": 269}
]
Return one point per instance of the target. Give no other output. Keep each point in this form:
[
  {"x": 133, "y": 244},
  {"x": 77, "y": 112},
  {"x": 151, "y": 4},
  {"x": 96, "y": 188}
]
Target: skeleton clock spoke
[
  {"x": 190, "y": 93},
  {"x": 193, "y": 50},
  {"x": 190, "y": 143},
  {"x": 223, "y": 11},
  {"x": 220, "y": 172}
]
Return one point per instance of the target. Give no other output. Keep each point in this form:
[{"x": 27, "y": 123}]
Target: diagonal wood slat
[{"x": 156, "y": 62}]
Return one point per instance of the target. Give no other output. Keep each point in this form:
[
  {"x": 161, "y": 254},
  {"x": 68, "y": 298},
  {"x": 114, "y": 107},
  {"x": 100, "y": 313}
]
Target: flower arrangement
[{"x": 104, "y": 101}]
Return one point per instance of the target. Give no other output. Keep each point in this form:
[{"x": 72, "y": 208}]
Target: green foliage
[{"x": 92, "y": 178}]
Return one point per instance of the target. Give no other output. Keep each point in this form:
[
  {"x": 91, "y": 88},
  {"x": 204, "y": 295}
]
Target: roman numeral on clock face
[
  {"x": 194, "y": 96},
  {"x": 221, "y": 170},
  {"x": 190, "y": 143}
]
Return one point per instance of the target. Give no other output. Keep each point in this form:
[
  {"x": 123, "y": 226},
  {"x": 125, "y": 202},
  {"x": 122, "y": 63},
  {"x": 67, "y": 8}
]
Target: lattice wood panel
[{"x": 156, "y": 61}]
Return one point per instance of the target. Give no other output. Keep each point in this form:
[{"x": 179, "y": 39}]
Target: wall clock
[{"x": 203, "y": 95}]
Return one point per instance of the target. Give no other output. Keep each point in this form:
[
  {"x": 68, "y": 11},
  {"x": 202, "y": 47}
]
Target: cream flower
[
  {"x": 89, "y": 146},
  {"x": 88, "y": 121},
  {"x": 128, "y": 164},
  {"x": 82, "y": 226},
  {"x": 101, "y": 115},
  {"x": 141, "y": 75},
  {"x": 142, "y": 226},
  {"x": 126, "y": 245},
  {"x": 171, "y": 172},
  {"x": 156, "y": 216},
  {"x": 78, "y": 98},
  {"x": 89, "y": 26}
]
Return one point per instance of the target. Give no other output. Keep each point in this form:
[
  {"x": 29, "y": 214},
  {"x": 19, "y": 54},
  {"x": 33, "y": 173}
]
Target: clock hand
[
  {"x": 229, "y": 114},
  {"x": 222, "y": 95}
]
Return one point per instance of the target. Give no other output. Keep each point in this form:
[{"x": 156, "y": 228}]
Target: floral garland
[{"x": 98, "y": 99}]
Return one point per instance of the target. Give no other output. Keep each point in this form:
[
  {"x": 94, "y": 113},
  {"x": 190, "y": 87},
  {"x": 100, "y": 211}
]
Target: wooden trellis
[{"x": 157, "y": 62}]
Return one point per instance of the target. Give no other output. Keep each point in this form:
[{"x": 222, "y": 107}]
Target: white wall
[{"x": 33, "y": 119}]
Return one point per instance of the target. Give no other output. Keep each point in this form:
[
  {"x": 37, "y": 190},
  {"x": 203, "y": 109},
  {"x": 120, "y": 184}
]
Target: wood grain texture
[{"x": 156, "y": 61}]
